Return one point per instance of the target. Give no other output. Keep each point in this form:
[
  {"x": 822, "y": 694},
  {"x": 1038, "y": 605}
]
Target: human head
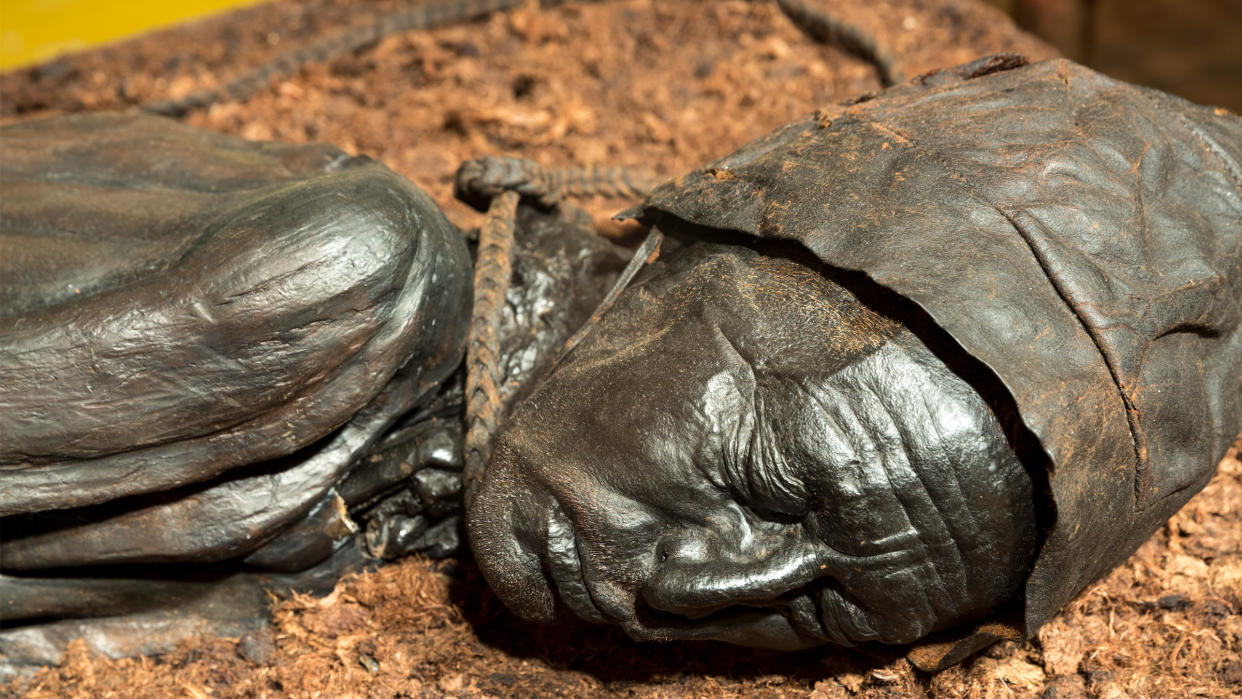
[{"x": 744, "y": 449}]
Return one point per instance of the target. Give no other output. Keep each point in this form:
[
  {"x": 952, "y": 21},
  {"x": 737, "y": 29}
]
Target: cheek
[
  {"x": 847, "y": 465},
  {"x": 625, "y": 475},
  {"x": 626, "y": 442},
  {"x": 904, "y": 462}
]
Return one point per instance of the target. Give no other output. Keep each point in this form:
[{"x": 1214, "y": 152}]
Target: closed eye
[
  {"x": 759, "y": 472},
  {"x": 742, "y": 449}
]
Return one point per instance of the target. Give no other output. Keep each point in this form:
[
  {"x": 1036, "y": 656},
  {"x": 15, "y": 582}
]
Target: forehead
[{"x": 775, "y": 305}]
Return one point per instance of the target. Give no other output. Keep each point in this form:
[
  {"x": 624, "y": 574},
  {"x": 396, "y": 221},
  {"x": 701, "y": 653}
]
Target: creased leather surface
[
  {"x": 175, "y": 304},
  {"x": 1080, "y": 236}
]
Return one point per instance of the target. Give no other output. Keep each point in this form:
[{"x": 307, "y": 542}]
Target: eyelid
[
  {"x": 745, "y": 451},
  {"x": 767, "y": 480}
]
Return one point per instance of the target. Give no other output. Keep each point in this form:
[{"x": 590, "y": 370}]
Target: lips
[
  {"x": 843, "y": 622},
  {"x": 549, "y": 565},
  {"x": 541, "y": 564},
  {"x": 779, "y": 627},
  {"x": 790, "y": 622}
]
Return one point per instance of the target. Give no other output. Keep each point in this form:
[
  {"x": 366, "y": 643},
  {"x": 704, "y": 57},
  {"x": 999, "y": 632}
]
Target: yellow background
[{"x": 37, "y": 30}]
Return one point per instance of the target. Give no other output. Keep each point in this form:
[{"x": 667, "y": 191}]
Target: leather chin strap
[{"x": 646, "y": 253}]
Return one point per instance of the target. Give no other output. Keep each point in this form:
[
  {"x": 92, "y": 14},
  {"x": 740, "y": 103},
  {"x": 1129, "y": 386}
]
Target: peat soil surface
[{"x": 666, "y": 85}]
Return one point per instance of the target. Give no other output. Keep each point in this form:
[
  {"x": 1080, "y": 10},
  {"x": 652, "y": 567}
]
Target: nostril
[
  {"x": 664, "y": 551},
  {"x": 685, "y": 548}
]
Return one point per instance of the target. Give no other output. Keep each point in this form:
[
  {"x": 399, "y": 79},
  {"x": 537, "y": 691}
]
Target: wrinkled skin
[
  {"x": 1079, "y": 239},
  {"x": 736, "y": 454},
  {"x": 744, "y": 450}
]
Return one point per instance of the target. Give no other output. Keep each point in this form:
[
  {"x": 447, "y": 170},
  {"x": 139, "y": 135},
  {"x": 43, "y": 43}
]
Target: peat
[{"x": 667, "y": 85}]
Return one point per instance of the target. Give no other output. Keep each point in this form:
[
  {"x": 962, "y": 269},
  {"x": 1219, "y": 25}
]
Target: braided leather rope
[
  {"x": 420, "y": 16},
  {"x": 813, "y": 20},
  {"x": 824, "y": 27},
  {"x": 481, "y": 179},
  {"x": 492, "y": 271},
  {"x": 503, "y": 182}
]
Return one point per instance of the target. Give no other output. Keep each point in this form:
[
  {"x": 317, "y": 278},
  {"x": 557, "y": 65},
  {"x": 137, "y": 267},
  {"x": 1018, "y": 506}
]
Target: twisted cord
[
  {"x": 502, "y": 183},
  {"x": 481, "y": 179},
  {"x": 421, "y": 16},
  {"x": 822, "y": 26},
  {"x": 816, "y": 22},
  {"x": 492, "y": 271},
  {"x": 617, "y": 182}
]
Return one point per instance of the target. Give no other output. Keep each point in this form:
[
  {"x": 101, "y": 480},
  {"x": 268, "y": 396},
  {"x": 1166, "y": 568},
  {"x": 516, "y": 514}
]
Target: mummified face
[{"x": 742, "y": 450}]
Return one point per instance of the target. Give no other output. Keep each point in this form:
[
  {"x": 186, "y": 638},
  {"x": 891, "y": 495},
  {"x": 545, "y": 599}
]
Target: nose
[
  {"x": 504, "y": 526},
  {"x": 697, "y": 578}
]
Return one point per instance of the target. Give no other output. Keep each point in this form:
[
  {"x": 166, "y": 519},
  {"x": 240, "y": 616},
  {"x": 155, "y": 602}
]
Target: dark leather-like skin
[
  {"x": 227, "y": 322},
  {"x": 1076, "y": 238},
  {"x": 1080, "y": 236},
  {"x": 742, "y": 449}
]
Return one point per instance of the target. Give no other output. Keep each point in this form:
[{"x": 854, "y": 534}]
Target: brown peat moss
[{"x": 661, "y": 84}]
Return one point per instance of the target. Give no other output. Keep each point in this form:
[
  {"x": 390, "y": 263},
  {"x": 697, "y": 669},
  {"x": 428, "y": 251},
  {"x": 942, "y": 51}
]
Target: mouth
[
  {"x": 810, "y": 615},
  {"x": 788, "y": 624},
  {"x": 817, "y": 612}
]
